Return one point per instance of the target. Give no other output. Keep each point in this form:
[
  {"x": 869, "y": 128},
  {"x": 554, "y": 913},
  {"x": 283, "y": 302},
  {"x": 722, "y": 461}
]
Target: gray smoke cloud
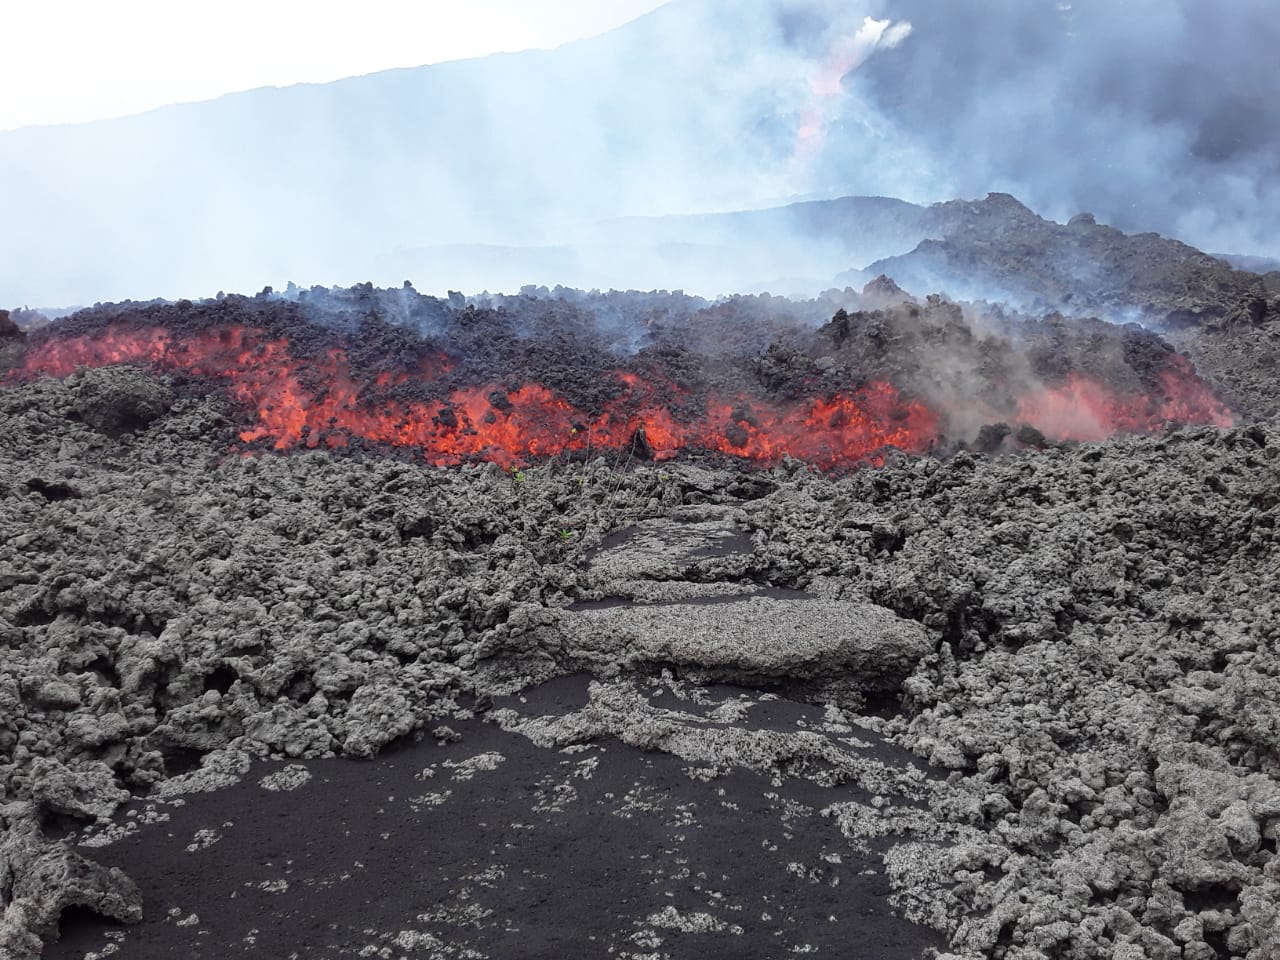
[
  {"x": 516, "y": 169},
  {"x": 1158, "y": 115},
  {"x": 435, "y": 174}
]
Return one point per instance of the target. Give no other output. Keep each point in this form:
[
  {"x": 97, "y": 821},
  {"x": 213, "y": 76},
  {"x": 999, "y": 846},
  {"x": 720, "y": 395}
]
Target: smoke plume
[
  {"x": 1155, "y": 115},
  {"x": 514, "y": 169}
]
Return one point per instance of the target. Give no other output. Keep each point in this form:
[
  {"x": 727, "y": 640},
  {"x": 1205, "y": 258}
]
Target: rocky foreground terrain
[{"x": 324, "y": 705}]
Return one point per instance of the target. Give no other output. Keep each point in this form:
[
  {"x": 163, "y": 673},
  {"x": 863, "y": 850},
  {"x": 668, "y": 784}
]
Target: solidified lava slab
[{"x": 535, "y": 378}]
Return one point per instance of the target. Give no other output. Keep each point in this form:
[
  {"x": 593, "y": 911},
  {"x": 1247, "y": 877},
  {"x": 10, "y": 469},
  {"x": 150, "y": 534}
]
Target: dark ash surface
[{"x": 489, "y": 845}]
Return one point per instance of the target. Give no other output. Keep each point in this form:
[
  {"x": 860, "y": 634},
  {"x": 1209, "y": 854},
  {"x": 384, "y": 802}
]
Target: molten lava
[
  {"x": 825, "y": 431},
  {"x": 484, "y": 422},
  {"x": 1084, "y": 410},
  {"x": 321, "y": 400}
]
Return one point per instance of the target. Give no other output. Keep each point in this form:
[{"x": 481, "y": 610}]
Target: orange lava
[
  {"x": 261, "y": 374},
  {"x": 319, "y": 401},
  {"x": 824, "y": 431},
  {"x": 1084, "y": 410},
  {"x": 60, "y": 357},
  {"x": 826, "y": 87}
]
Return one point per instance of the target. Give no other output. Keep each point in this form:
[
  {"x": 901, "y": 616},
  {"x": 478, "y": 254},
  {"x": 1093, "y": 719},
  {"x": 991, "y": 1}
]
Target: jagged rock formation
[
  {"x": 997, "y": 249},
  {"x": 40, "y": 878}
]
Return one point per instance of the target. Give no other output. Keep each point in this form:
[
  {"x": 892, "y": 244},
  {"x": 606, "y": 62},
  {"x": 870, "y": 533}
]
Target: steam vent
[{"x": 665, "y": 570}]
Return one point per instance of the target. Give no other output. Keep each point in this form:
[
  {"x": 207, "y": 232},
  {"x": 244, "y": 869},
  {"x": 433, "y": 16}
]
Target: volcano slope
[
  {"x": 1018, "y": 704},
  {"x": 1227, "y": 320},
  {"x": 999, "y": 249}
]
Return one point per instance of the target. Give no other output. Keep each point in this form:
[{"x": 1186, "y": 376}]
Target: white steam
[{"x": 517, "y": 169}]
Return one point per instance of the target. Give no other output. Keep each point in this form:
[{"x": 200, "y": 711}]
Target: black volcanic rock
[
  {"x": 11, "y": 336},
  {"x": 116, "y": 400},
  {"x": 8, "y": 328}
]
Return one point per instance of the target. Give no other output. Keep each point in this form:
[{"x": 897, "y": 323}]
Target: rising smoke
[
  {"x": 513, "y": 169},
  {"x": 1154, "y": 114}
]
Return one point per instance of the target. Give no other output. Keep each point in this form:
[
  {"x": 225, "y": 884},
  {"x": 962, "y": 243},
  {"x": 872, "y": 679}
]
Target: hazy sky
[{"x": 73, "y": 60}]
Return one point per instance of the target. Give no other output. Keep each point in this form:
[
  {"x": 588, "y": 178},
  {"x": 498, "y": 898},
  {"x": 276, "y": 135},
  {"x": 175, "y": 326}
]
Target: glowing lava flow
[
  {"x": 826, "y": 86},
  {"x": 486, "y": 423},
  {"x": 60, "y": 357},
  {"x": 826, "y": 430},
  {"x": 318, "y": 401},
  {"x": 1081, "y": 409}
]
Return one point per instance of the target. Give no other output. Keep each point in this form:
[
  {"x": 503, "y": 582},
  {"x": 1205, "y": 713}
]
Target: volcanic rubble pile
[
  {"x": 1226, "y": 319},
  {"x": 999, "y": 249},
  {"x": 1081, "y": 640}
]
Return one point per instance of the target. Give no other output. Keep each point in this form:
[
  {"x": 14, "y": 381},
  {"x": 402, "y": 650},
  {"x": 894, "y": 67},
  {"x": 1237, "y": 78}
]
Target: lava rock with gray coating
[{"x": 756, "y": 638}]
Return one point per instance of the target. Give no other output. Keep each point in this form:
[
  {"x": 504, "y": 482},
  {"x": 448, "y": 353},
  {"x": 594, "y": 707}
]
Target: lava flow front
[
  {"x": 474, "y": 392},
  {"x": 1084, "y": 410},
  {"x": 508, "y": 427}
]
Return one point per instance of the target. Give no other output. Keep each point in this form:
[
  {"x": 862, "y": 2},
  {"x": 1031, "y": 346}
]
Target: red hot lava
[
  {"x": 1084, "y": 410},
  {"x": 532, "y": 422},
  {"x": 310, "y": 403}
]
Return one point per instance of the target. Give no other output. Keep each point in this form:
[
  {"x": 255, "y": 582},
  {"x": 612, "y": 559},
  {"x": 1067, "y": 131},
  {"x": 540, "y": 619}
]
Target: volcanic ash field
[{"x": 359, "y": 623}]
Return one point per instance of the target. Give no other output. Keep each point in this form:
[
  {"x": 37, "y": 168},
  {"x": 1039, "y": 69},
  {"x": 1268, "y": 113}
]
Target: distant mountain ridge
[
  {"x": 322, "y": 182},
  {"x": 700, "y": 105},
  {"x": 997, "y": 249}
]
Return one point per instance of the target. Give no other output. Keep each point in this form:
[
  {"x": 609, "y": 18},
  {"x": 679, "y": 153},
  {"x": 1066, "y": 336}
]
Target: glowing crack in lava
[{"x": 319, "y": 402}]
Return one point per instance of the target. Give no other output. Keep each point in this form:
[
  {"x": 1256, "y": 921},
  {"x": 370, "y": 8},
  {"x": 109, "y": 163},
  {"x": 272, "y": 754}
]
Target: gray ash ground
[{"x": 1038, "y": 696}]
